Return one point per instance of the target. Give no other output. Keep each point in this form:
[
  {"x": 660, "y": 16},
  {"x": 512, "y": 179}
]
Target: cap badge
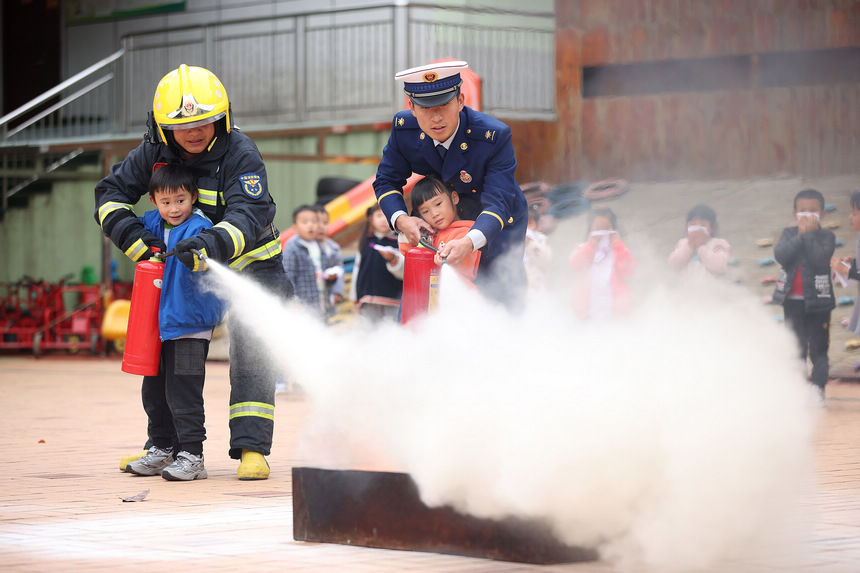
[
  {"x": 430, "y": 77},
  {"x": 465, "y": 177},
  {"x": 464, "y": 146}
]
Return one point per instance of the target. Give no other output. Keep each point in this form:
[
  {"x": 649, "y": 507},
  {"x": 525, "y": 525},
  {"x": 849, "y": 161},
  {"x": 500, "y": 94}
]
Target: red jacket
[{"x": 622, "y": 267}]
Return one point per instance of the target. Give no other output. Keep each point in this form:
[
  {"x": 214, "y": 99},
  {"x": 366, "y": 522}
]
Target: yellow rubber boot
[
  {"x": 123, "y": 462},
  {"x": 253, "y": 466}
]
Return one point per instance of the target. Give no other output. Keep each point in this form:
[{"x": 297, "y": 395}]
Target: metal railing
[
  {"x": 72, "y": 109},
  {"x": 307, "y": 68}
]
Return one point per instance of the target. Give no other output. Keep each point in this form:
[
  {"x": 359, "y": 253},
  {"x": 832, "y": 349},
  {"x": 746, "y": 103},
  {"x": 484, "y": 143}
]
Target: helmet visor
[{"x": 192, "y": 124}]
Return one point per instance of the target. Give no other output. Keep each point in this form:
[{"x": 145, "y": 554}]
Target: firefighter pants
[
  {"x": 252, "y": 375},
  {"x": 173, "y": 399}
]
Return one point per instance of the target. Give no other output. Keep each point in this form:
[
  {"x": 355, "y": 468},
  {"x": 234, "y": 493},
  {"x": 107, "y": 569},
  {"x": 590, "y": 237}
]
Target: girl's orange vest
[{"x": 468, "y": 269}]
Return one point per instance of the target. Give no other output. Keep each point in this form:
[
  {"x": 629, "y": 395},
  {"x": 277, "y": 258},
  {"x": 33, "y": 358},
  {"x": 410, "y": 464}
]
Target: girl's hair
[
  {"x": 855, "y": 199},
  {"x": 425, "y": 190},
  {"x": 365, "y": 236},
  {"x": 600, "y": 212},
  {"x": 706, "y": 214},
  {"x": 172, "y": 177}
]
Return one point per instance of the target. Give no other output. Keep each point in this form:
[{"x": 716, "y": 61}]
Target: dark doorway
[{"x": 31, "y": 49}]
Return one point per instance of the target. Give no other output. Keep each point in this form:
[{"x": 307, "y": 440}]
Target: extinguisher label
[
  {"x": 434, "y": 293},
  {"x": 157, "y": 283}
]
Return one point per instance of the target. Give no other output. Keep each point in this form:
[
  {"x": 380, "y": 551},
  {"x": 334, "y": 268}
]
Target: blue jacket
[
  {"x": 185, "y": 307},
  {"x": 480, "y": 166}
]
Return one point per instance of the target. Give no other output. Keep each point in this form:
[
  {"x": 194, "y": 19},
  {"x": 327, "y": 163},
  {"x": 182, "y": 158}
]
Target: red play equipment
[{"x": 34, "y": 315}]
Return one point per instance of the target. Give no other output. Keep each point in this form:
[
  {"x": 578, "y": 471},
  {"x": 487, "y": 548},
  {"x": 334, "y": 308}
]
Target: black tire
[{"x": 330, "y": 188}]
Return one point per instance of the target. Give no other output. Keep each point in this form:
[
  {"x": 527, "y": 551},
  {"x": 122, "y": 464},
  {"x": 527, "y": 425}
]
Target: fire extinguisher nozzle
[{"x": 198, "y": 254}]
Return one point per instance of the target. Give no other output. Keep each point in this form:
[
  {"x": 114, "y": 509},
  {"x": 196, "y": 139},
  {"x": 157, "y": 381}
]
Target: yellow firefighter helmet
[{"x": 188, "y": 97}]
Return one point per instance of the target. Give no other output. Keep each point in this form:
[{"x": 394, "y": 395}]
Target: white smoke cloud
[{"x": 677, "y": 437}]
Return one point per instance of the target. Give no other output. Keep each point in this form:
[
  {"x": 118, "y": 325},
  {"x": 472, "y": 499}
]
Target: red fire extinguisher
[
  {"x": 420, "y": 284},
  {"x": 142, "y": 341}
]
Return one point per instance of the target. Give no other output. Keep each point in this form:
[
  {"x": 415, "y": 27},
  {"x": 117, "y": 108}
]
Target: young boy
[
  {"x": 332, "y": 263},
  {"x": 304, "y": 260},
  {"x": 173, "y": 399},
  {"x": 804, "y": 289},
  {"x": 436, "y": 204}
]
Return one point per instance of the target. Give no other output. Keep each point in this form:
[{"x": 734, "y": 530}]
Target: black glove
[
  {"x": 185, "y": 255},
  {"x": 141, "y": 254}
]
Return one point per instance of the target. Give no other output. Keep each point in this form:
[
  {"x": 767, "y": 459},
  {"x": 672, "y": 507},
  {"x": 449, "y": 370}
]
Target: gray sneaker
[
  {"x": 187, "y": 467},
  {"x": 152, "y": 463}
]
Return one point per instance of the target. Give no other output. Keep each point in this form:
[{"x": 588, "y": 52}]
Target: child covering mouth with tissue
[
  {"x": 804, "y": 288},
  {"x": 603, "y": 264},
  {"x": 700, "y": 245}
]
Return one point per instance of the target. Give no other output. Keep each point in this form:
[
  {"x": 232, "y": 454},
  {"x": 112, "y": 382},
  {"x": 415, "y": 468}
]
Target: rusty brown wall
[{"x": 805, "y": 130}]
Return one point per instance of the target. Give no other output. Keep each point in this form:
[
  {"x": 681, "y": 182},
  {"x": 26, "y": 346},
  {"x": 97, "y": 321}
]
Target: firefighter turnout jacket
[{"x": 233, "y": 194}]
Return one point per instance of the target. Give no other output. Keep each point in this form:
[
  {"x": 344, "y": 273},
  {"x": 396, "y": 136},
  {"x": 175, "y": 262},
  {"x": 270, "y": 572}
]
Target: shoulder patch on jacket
[{"x": 251, "y": 184}]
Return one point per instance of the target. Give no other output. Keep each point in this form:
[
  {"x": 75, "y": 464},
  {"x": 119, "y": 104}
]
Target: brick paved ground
[{"x": 66, "y": 422}]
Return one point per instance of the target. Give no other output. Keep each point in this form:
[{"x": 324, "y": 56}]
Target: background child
[
  {"x": 605, "y": 264},
  {"x": 701, "y": 243},
  {"x": 332, "y": 263},
  {"x": 538, "y": 253},
  {"x": 303, "y": 260},
  {"x": 377, "y": 282},
  {"x": 436, "y": 203},
  {"x": 847, "y": 266},
  {"x": 173, "y": 399},
  {"x": 804, "y": 288}
]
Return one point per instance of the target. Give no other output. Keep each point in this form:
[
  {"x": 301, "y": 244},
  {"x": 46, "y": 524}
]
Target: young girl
[
  {"x": 701, "y": 244},
  {"x": 434, "y": 202},
  {"x": 604, "y": 263},
  {"x": 378, "y": 271}
]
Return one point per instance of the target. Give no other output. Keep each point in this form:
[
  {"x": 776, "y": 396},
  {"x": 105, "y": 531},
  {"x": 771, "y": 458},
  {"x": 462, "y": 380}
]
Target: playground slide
[{"x": 349, "y": 209}]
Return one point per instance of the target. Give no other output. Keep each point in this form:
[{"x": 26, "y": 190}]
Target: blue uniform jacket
[
  {"x": 480, "y": 166},
  {"x": 185, "y": 307}
]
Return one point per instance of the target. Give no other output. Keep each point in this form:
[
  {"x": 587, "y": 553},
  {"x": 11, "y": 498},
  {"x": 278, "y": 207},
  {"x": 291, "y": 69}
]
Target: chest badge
[
  {"x": 251, "y": 184},
  {"x": 465, "y": 177}
]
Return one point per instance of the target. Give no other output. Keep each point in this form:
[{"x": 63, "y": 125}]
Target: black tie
[{"x": 440, "y": 149}]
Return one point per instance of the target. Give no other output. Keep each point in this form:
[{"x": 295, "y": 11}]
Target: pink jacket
[
  {"x": 714, "y": 255},
  {"x": 623, "y": 266}
]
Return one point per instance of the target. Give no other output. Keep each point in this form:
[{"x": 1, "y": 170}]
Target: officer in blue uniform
[{"x": 473, "y": 154}]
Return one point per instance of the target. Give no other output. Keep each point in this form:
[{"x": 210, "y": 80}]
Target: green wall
[{"x": 56, "y": 234}]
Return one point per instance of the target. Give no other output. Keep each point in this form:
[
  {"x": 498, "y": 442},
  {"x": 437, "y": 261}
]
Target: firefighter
[
  {"x": 190, "y": 123},
  {"x": 472, "y": 153}
]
